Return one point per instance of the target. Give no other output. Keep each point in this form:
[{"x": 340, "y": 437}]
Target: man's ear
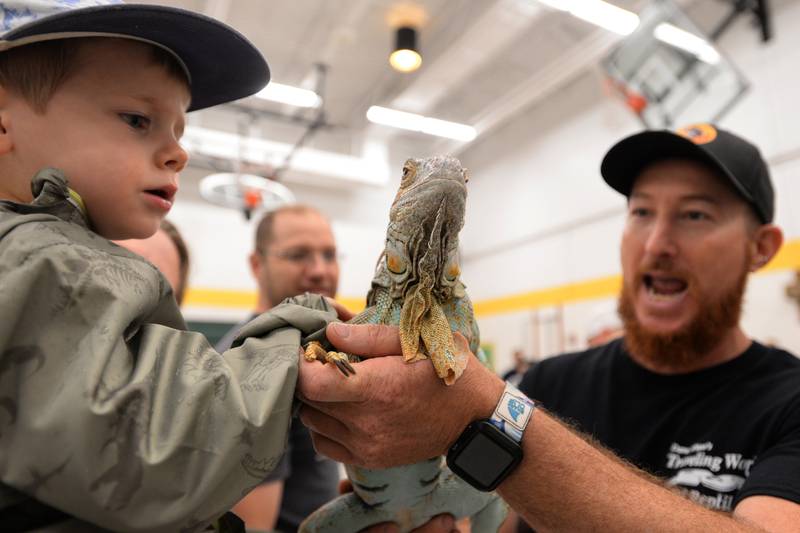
[
  {"x": 766, "y": 243},
  {"x": 6, "y": 143},
  {"x": 255, "y": 263}
]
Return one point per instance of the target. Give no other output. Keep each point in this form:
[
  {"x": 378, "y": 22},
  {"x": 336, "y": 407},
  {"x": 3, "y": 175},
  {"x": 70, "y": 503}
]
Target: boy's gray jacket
[{"x": 109, "y": 410}]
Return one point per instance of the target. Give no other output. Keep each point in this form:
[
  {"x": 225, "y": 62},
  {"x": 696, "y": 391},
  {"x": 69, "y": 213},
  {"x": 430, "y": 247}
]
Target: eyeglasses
[{"x": 305, "y": 256}]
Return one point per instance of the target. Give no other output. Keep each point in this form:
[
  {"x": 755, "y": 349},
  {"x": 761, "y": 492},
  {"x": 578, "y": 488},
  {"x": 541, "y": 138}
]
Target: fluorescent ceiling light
[
  {"x": 419, "y": 123},
  {"x": 232, "y": 147},
  {"x": 608, "y": 16},
  {"x": 286, "y": 94},
  {"x": 687, "y": 41},
  {"x": 624, "y": 22}
]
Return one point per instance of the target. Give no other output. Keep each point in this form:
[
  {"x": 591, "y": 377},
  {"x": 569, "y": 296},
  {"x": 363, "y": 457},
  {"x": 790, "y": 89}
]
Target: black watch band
[{"x": 489, "y": 450}]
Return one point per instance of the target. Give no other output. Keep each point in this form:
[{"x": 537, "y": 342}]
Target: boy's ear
[{"x": 5, "y": 134}]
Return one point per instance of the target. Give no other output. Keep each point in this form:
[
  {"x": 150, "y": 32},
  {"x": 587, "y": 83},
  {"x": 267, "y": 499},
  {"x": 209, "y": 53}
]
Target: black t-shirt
[
  {"x": 309, "y": 479},
  {"x": 721, "y": 434}
]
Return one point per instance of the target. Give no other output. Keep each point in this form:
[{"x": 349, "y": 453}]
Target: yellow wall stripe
[
  {"x": 571, "y": 292},
  {"x": 605, "y": 287},
  {"x": 787, "y": 258},
  {"x": 227, "y": 299},
  {"x": 245, "y": 300}
]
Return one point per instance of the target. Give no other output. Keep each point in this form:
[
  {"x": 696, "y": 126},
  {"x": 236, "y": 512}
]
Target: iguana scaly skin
[{"x": 417, "y": 287}]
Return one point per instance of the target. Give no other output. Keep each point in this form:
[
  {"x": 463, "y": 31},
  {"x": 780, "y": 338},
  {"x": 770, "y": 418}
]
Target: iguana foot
[{"x": 315, "y": 352}]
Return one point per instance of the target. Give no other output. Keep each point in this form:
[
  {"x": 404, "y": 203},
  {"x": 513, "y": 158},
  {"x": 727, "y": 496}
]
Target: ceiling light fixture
[
  {"x": 286, "y": 94},
  {"x": 600, "y": 13},
  {"x": 257, "y": 151},
  {"x": 624, "y": 22},
  {"x": 414, "y": 122},
  {"x": 406, "y": 56},
  {"x": 679, "y": 38}
]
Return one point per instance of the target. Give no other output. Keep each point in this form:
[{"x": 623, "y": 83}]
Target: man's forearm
[{"x": 566, "y": 484}]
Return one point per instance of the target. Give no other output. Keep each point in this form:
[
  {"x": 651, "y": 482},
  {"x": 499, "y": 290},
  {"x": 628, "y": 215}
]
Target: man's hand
[{"x": 390, "y": 412}]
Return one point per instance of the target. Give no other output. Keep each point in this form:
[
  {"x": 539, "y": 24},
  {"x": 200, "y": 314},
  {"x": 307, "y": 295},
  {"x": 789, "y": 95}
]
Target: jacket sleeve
[{"x": 112, "y": 414}]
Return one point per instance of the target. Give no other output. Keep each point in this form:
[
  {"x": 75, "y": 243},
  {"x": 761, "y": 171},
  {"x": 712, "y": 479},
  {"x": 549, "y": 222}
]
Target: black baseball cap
[
  {"x": 220, "y": 63},
  {"x": 735, "y": 159}
]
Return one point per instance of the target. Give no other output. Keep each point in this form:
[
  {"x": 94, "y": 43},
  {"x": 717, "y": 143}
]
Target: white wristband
[{"x": 513, "y": 412}]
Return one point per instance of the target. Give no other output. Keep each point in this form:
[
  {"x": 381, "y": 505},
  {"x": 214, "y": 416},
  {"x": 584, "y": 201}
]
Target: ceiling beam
[{"x": 561, "y": 70}]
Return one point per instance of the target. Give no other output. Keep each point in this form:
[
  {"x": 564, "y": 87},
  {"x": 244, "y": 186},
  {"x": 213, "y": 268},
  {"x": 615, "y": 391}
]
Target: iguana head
[{"x": 421, "y": 256}]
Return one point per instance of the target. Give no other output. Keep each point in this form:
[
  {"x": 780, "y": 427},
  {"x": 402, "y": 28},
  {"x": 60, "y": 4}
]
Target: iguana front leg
[{"x": 318, "y": 348}]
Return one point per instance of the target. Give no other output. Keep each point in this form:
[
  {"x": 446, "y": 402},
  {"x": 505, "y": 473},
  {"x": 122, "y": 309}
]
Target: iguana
[{"x": 417, "y": 287}]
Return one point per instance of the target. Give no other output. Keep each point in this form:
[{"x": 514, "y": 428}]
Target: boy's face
[{"x": 113, "y": 127}]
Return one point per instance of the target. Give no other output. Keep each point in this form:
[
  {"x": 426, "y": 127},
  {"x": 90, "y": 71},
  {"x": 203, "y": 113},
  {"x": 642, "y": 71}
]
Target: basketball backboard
[{"x": 669, "y": 73}]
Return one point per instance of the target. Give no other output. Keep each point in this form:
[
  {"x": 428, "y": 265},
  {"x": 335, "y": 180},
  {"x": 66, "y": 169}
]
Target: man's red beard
[{"x": 693, "y": 341}]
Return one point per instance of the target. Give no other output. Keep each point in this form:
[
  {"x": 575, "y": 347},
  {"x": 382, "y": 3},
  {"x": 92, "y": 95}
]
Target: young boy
[{"x": 110, "y": 413}]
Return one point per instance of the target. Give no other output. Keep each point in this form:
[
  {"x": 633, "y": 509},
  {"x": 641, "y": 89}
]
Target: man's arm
[{"x": 374, "y": 419}]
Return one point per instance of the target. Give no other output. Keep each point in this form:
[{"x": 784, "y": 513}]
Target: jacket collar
[{"x": 52, "y": 195}]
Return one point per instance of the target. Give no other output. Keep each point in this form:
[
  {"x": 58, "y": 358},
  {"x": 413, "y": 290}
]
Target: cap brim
[
  {"x": 625, "y": 160},
  {"x": 222, "y": 64}
]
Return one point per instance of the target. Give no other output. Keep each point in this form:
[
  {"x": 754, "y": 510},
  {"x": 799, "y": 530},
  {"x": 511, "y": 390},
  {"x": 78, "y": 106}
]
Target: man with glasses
[{"x": 295, "y": 252}]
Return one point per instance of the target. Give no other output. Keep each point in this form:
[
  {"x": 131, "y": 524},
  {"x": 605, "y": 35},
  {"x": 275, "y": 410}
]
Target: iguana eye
[
  {"x": 395, "y": 264},
  {"x": 452, "y": 271},
  {"x": 409, "y": 172}
]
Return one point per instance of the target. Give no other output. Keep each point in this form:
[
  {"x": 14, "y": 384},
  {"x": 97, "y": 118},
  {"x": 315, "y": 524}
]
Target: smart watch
[{"x": 489, "y": 450}]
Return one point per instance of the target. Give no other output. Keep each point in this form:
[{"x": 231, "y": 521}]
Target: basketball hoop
[
  {"x": 245, "y": 192},
  {"x": 669, "y": 72},
  {"x": 634, "y": 100}
]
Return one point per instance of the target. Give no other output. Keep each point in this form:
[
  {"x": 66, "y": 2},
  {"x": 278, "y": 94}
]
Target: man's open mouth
[{"x": 664, "y": 287}]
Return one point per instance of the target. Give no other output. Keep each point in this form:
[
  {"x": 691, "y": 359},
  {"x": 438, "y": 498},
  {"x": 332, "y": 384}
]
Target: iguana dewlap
[{"x": 417, "y": 287}]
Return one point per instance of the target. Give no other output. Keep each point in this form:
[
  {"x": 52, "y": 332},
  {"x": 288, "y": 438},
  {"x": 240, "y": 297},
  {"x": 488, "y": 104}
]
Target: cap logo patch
[{"x": 698, "y": 133}]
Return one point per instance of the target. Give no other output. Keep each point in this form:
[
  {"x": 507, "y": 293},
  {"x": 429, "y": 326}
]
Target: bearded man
[{"x": 688, "y": 424}]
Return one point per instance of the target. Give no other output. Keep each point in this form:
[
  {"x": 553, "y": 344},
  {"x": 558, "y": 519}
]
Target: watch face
[
  {"x": 483, "y": 455},
  {"x": 484, "y": 460}
]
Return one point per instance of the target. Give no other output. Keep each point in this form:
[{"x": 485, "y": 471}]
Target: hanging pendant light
[{"x": 406, "y": 56}]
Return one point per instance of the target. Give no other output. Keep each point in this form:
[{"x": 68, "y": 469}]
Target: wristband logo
[{"x": 515, "y": 408}]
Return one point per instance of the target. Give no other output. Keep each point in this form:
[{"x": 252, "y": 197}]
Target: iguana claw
[
  {"x": 315, "y": 352},
  {"x": 344, "y": 367}
]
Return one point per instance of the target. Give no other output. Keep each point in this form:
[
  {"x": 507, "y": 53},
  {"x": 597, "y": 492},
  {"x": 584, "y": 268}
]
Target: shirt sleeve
[
  {"x": 112, "y": 413},
  {"x": 777, "y": 471}
]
